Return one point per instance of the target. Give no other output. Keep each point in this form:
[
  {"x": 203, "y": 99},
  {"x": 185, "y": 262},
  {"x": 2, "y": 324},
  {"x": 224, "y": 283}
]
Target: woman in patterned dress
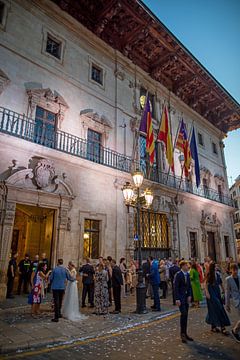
[
  {"x": 101, "y": 291},
  {"x": 35, "y": 297}
]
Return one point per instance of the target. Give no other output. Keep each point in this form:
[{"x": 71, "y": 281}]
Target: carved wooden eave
[{"x": 130, "y": 27}]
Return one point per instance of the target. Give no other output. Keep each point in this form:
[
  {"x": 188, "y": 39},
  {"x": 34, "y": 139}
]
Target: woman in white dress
[{"x": 70, "y": 309}]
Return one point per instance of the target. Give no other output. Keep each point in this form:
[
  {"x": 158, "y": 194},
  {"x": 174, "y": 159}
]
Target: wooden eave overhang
[{"x": 131, "y": 28}]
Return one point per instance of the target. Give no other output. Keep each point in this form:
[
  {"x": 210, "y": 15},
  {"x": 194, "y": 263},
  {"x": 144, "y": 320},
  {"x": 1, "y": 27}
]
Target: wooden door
[{"x": 211, "y": 245}]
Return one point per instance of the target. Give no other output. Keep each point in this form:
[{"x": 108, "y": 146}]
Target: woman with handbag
[
  {"x": 35, "y": 297},
  {"x": 216, "y": 316}
]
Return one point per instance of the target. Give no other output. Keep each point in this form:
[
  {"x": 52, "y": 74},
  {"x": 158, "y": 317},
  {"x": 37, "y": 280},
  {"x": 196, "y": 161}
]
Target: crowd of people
[{"x": 106, "y": 282}]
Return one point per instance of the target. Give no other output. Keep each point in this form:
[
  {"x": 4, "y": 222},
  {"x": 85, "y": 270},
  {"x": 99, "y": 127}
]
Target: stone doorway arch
[{"x": 38, "y": 185}]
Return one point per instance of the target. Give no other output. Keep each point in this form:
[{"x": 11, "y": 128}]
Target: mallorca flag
[
  {"x": 164, "y": 135},
  {"x": 183, "y": 145},
  {"x": 194, "y": 153},
  {"x": 147, "y": 128}
]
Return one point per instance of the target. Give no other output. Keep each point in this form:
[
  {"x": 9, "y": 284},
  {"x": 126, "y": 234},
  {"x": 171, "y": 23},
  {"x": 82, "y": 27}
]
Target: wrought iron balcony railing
[{"x": 21, "y": 126}]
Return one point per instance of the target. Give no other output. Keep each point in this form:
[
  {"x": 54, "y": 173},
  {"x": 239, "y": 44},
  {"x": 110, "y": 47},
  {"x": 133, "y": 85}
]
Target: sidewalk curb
[{"x": 62, "y": 341}]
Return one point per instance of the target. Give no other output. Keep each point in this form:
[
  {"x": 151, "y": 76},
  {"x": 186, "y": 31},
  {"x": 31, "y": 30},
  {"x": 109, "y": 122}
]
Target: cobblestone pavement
[
  {"x": 19, "y": 331},
  {"x": 155, "y": 340}
]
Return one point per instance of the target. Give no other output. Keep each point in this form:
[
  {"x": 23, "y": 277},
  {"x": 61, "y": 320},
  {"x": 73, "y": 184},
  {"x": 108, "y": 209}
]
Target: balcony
[{"x": 22, "y": 127}]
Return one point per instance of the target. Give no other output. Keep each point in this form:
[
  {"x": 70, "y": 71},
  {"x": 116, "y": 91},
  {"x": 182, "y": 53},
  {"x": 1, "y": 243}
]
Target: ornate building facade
[
  {"x": 72, "y": 78},
  {"x": 235, "y": 194}
]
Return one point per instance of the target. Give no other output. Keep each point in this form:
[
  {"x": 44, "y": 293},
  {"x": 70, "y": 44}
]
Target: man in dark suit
[
  {"x": 117, "y": 281},
  {"x": 87, "y": 272},
  {"x": 172, "y": 271},
  {"x": 183, "y": 292},
  {"x": 154, "y": 279}
]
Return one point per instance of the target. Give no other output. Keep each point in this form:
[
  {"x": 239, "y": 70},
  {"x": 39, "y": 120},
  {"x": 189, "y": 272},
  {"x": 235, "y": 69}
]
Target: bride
[{"x": 70, "y": 309}]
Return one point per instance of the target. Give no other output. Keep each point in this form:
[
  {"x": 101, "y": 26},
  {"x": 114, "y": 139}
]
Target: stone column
[
  {"x": 63, "y": 221},
  {"x": 8, "y": 215},
  {"x": 130, "y": 238}
]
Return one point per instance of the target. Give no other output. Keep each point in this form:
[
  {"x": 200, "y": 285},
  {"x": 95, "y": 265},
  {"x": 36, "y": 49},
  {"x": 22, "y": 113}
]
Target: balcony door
[
  {"x": 45, "y": 127},
  {"x": 94, "y": 146}
]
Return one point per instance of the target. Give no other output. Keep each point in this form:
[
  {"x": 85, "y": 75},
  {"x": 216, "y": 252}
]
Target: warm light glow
[
  {"x": 138, "y": 178},
  {"x": 128, "y": 192},
  {"x": 85, "y": 236},
  {"x": 148, "y": 197}
]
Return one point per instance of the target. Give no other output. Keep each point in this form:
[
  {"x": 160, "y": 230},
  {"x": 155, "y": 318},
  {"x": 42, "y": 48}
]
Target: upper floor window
[
  {"x": 97, "y": 74},
  {"x": 2, "y": 9},
  {"x": 45, "y": 127},
  {"x": 53, "y": 47},
  {"x": 234, "y": 193},
  {"x": 200, "y": 139},
  {"x": 94, "y": 145},
  {"x": 214, "y": 148}
]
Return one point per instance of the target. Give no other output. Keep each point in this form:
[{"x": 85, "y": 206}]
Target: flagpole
[
  {"x": 160, "y": 122},
  {"x": 174, "y": 147}
]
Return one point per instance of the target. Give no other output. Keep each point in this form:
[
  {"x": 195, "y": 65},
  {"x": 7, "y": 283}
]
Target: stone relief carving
[
  {"x": 44, "y": 173},
  {"x": 219, "y": 180},
  {"x": 4, "y": 81},
  {"x": 46, "y": 99},
  {"x": 134, "y": 124},
  {"x": 205, "y": 173},
  {"x": 120, "y": 74},
  {"x": 40, "y": 175},
  {"x": 91, "y": 119},
  {"x": 209, "y": 221}
]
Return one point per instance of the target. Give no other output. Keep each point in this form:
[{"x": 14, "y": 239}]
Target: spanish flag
[
  {"x": 164, "y": 135},
  {"x": 183, "y": 145},
  {"x": 147, "y": 128}
]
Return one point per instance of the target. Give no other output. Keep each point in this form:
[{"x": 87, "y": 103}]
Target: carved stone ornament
[
  {"x": 44, "y": 173},
  {"x": 46, "y": 99},
  {"x": 93, "y": 120},
  {"x": 219, "y": 180},
  {"x": 4, "y": 81},
  {"x": 209, "y": 222},
  {"x": 40, "y": 175},
  {"x": 208, "y": 219},
  {"x": 120, "y": 74},
  {"x": 134, "y": 124}
]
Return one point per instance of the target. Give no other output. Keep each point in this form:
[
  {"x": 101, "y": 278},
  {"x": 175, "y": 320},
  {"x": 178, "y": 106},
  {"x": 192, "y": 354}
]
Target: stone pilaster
[{"x": 7, "y": 216}]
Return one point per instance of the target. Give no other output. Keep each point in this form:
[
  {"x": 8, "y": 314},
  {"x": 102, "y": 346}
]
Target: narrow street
[{"x": 155, "y": 340}]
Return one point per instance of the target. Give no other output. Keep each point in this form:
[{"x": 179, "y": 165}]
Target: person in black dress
[
  {"x": 11, "y": 273},
  {"x": 216, "y": 316},
  {"x": 117, "y": 282}
]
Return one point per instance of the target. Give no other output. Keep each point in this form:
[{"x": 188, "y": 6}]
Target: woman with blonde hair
[{"x": 70, "y": 309}]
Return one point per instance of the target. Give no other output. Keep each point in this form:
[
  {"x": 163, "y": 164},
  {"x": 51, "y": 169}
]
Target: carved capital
[{"x": 120, "y": 74}]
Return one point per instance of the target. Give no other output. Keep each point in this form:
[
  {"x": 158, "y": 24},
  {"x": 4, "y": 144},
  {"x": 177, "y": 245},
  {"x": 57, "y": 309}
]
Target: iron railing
[{"x": 23, "y": 127}]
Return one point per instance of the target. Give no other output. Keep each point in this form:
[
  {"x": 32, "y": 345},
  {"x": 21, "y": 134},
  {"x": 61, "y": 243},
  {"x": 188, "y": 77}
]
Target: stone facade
[
  {"x": 235, "y": 194},
  {"x": 76, "y": 188}
]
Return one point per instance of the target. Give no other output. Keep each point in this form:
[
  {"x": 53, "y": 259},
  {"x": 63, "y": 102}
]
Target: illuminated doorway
[{"x": 33, "y": 231}]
